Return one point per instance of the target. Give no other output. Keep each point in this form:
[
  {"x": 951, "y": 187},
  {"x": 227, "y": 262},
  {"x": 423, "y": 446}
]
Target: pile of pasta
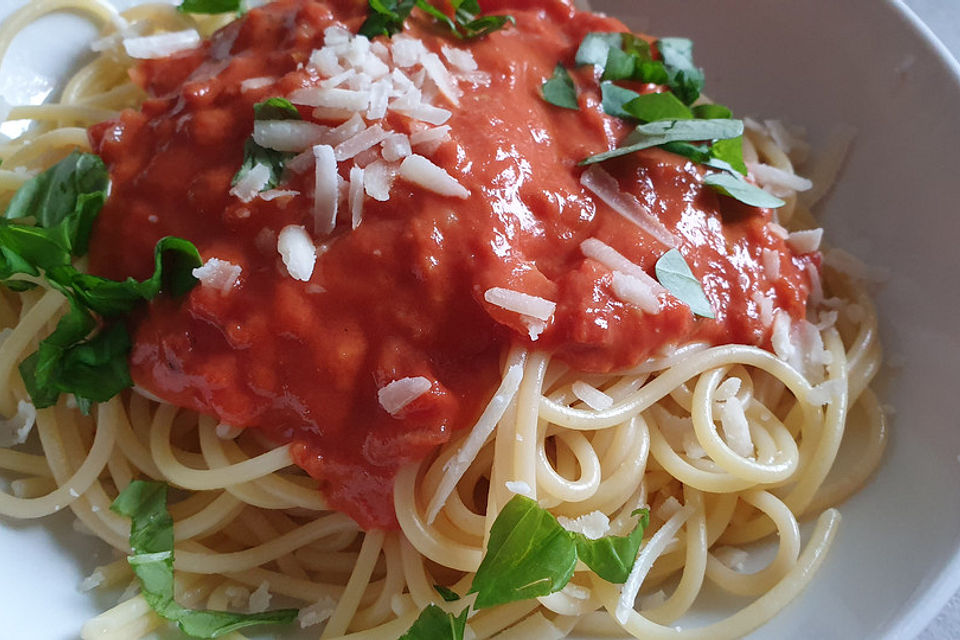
[{"x": 250, "y": 525}]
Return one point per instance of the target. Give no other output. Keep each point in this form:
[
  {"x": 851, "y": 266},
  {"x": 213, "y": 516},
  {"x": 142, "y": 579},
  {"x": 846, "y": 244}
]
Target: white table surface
[{"x": 943, "y": 18}]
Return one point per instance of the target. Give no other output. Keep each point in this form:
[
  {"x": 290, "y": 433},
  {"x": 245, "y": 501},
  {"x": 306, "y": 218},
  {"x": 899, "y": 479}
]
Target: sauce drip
[{"x": 402, "y": 295}]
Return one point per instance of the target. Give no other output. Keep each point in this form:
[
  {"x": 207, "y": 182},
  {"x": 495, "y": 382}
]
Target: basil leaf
[
  {"x": 696, "y": 152},
  {"x": 657, "y": 133},
  {"x": 254, "y": 154},
  {"x": 613, "y": 98},
  {"x": 440, "y": 16},
  {"x": 730, "y": 151},
  {"x": 209, "y": 6},
  {"x": 636, "y": 47},
  {"x": 436, "y": 624},
  {"x": 151, "y": 539},
  {"x": 711, "y": 111},
  {"x": 650, "y": 71},
  {"x": 612, "y": 557},
  {"x": 684, "y": 79},
  {"x": 674, "y": 273},
  {"x": 559, "y": 89},
  {"x": 740, "y": 189},
  {"x": 595, "y": 47},
  {"x": 275, "y": 109},
  {"x": 485, "y": 25},
  {"x": 386, "y": 17},
  {"x": 651, "y": 107},
  {"x": 529, "y": 555},
  {"x": 65, "y": 199},
  {"x": 449, "y": 595},
  {"x": 620, "y": 65}
]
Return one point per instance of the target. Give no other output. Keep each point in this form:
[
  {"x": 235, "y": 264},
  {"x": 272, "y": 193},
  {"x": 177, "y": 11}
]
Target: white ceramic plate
[{"x": 816, "y": 63}]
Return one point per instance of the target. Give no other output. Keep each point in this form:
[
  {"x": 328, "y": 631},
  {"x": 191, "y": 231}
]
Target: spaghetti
[{"x": 726, "y": 444}]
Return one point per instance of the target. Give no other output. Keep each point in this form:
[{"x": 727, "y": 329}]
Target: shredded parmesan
[
  {"x": 297, "y": 250},
  {"x": 326, "y": 195},
  {"x": 218, "y": 274},
  {"x": 161, "y": 45},
  {"x": 395, "y": 396},
  {"x": 260, "y": 599},
  {"x": 805, "y": 241},
  {"x": 519, "y": 487},
  {"x": 317, "y": 612},
  {"x": 420, "y": 171},
  {"x": 736, "y": 429},
  {"x": 287, "y": 135},
  {"x": 522, "y": 303},
  {"x": 606, "y": 187},
  {"x": 780, "y": 182},
  {"x": 16, "y": 429},
  {"x": 731, "y": 557},
  {"x": 378, "y": 179},
  {"x": 636, "y": 292},
  {"x": 593, "y": 525},
  {"x": 355, "y": 199},
  {"x": 459, "y": 463},
  {"x": 644, "y": 562}
]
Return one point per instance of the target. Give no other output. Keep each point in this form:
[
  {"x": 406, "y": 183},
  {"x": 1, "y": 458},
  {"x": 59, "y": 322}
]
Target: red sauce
[{"x": 403, "y": 294}]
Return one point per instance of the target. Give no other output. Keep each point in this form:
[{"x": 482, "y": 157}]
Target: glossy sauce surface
[{"x": 402, "y": 295}]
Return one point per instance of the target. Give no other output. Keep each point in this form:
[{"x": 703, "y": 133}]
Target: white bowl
[{"x": 817, "y": 63}]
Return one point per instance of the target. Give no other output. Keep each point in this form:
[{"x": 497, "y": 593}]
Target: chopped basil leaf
[
  {"x": 151, "y": 539},
  {"x": 436, "y": 624},
  {"x": 674, "y": 273},
  {"x": 730, "y": 151},
  {"x": 620, "y": 65},
  {"x": 64, "y": 200},
  {"x": 711, "y": 111},
  {"x": 209, "y": 6},
  {"x": 651, "y": 107},
  {"x": 738, "y": 188},
  {"x": 696, "y": 152},
  {"x": 657, "y": 133},
  {"x": 595, "y": 47},
  {"x": 275, "y": 109},
  {"x": 449, "y": 595},
  {"x": 386, "y": 17},
  {"x": 683, "y": 77},
  {"x": 612, "y": 557},
  {"x": 613, "y": 98},
  {"x": 485, "y": 25},
  {"x": 529, "y": 555},
  {"x": 559, "y": 89},
  {"x": 254, "y": 154}
]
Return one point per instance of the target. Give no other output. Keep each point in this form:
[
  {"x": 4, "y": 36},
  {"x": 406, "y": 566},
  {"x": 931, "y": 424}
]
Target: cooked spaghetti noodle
[{"x": 660, "y": 435}]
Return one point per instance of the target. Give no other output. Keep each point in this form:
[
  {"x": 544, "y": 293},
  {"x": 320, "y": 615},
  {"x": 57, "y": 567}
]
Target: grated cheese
[
  {"x": 252, "y": 183},
  {"x": 297, "y": 251},
  {"x": 378, "y": 179},
  {"x": 17, "y": 428},
  {"x": 287, "y": 135},
  {"x": 522, "y": 303},
  {"x": 326, "y": 195},
  {"x": 420, "y": 171},
  {"x": 395, "y": 396},
  {"x": 161, "y": 45},
  {"x": 592, "y": 525},
  {"x": 519, "y": 487},
  {"x": 361, "y": 142},
  {"x": 606, "y": 187},
  {"x": 218, "y": 274},
  {"x": 355, "y": 198},
  {"x": 805, "y": 241}
]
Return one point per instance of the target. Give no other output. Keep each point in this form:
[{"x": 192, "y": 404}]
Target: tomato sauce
[{"x": 403, "y": 295}]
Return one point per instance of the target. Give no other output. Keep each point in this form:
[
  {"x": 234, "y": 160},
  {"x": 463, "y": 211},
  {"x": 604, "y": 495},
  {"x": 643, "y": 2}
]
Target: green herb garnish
[
  {"x": 46, "y": 226},
  {"x": 612, "y": 557},
  {"x": 596, "y": 46},
  {"x": 559, "y": 90},
  {"x": 530, "y": 554},
  {"x": 151, "y": 539},
  {"x": 651, "y": 107},
  {"x": 388, "y": 16},
  {"x": 737, "y": 187},
  {"x": 254, "y": 154},
  {"x": 210, "y": 6},
  {"x": 674, "y": 273},
  {"x": 683, "y": 77},
  {"x": 613, "y": 99},
  {"x": 436, "y": 624},
  {"x": 661, "y": 132},
  {"x": 448, "y": 594}
]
